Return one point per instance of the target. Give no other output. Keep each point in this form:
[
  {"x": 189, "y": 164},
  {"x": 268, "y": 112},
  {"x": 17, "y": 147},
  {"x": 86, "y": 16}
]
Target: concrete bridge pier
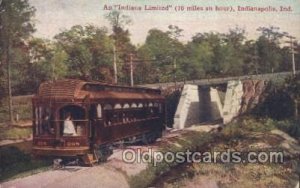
[
  {"x": 197, "y": 105},
  {"x": 201, "y": 104}
]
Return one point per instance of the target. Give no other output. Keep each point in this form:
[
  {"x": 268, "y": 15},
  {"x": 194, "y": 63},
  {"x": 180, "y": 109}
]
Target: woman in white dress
[{"x": 69, "y": 128}]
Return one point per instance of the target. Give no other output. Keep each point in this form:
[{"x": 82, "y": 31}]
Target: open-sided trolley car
[{"x": 76, "y": 118}]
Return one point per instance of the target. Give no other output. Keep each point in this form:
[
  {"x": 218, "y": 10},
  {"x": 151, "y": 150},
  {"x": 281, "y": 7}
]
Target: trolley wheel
[
  {"x": 102, "y": 153},
  {"x": 149, "y": 138}
]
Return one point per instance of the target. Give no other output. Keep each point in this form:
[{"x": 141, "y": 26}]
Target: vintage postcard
[{"x": 149, "y": 93}]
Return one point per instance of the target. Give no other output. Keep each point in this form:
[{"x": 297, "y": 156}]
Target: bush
[
  {"x": 277, "y": 101},
  {"x": 291, "y": 127},
  {"x": 189, "y": 141},
  {"x": 14, "y": 162},
  {"x": 12, "y": 133},
  {"x": 11, "y": 155},
  {"x": 258, "y": 125},
  {"x": 232, "y": 130},
  {"x": 241, "y": 126}
]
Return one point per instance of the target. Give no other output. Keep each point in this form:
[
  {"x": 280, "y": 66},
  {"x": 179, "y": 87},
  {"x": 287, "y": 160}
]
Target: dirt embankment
[{"x": 244, "y": 174}]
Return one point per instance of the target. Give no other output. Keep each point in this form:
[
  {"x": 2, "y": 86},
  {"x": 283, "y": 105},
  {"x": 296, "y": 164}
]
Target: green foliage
[
  {"x": 164, "y": 50},
  {"x": 289, "y": 126},
  {"x": 272, "y": 33},
  {"x": 214, "y": 54},
  {"x": 261, "y": 125},
  {"x": 279, "y": 99},
  {"x": 11, "y": 155},
  {"x": 197, "y": 60},
  {"x": 240, "y": 127},
  {"x": 124, "y": 50},
  {"x": 15, "y": 18},
  {"x": 233, "y": 55},
  {"x": 292, "y": 87},
  {"x": 14, "y": 161},
  {"x": 189, "y": 141},
  {"x": 232, "y": 130},
  {"x": 117, "y": 19},
  {"x": 277, "y": 104},
  {"x": 243, "y": 126},
  {"x": 85, "y": 50},
  {"x": 243, "y": 129},
  {"x": 15, "y": 133},
  {"x": 3, "y": 111},
  {"x": 269, "y": 55},
  {"x": 21, "y": 106},
  {"x": 45, "y": 62},
  {"x": 16, "y": 28}
]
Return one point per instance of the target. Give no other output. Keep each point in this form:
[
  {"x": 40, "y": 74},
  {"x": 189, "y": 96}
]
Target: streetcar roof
[{"x": 71, "y": 88}]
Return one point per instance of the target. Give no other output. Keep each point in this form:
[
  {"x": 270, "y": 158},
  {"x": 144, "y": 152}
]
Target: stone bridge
[{"x": 209, "y": 100}]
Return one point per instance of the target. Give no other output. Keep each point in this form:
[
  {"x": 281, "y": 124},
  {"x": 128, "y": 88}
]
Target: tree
[
  {"x": 197, "y": 60},
  {"x": 117, "y": 19},
  {"x": 250, "y": 65},
  {"x": 46, "y": 61},
  {"x": 297, "y": 55},
  {"x": 165, "y": 50},
  {"x": 88, "y": 48},
  {"x": 236, "y": 37},
  {"x": 16, "y": 28},
  {"x": 230, "y": 61},
  {"x": 292, "y": 87},
  {"x": 225, "y": 52},
  {"x": 122, "y": 43},
  {"x": 285, "y": 63},
  {"x": 272, "y": 33},
  {"x": 233, "y": 51},
  {"x": 174, "y": 32},
  {"x": 269, "y": 55},
  {"x": 268, "y": 48}
]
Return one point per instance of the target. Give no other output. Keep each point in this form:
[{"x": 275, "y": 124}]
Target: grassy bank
[
  {"x": 249, "y": 124},
  {"x": 191, "y": 140},
  {"x": 14, "y": 133},
  {"x": 22, "y": 106},
  {"x": 243, "y": 134},
  {"x": 17, "y": 162}
]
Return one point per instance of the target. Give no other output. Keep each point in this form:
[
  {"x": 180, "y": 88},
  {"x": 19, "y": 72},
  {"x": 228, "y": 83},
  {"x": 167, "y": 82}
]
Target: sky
[{"x": 54, "y": 16}]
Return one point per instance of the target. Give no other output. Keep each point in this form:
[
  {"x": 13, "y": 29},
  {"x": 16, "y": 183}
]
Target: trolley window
[
  {"x": 73, "y": 121},
  {"x": 44, "y": 121}
]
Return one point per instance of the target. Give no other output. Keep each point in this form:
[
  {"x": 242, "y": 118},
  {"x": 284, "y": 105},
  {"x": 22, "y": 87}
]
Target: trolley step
[{"x": 89, "y": 159}]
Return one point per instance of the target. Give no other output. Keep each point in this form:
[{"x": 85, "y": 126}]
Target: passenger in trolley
[
  {"x": 69, "y": 128},
  {"x": 46, "y": 124}
]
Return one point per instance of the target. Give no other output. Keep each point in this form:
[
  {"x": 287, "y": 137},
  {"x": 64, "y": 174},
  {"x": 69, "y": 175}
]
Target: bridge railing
[{"x": 212, "y": 81}]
